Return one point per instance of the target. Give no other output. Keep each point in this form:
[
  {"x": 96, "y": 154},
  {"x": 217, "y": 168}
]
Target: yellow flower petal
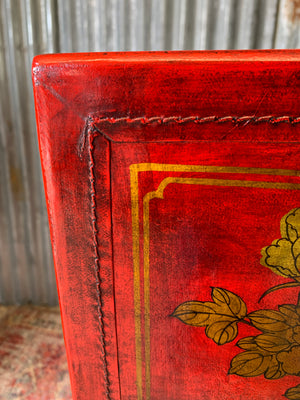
[
  {"x": 279, "y": 258},
  {"x": 290, "y": 225}
]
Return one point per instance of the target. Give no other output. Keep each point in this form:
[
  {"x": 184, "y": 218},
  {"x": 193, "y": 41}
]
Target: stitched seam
[
  {"x": 91, "y": 134},
  {"x": 243, "y": 120}
]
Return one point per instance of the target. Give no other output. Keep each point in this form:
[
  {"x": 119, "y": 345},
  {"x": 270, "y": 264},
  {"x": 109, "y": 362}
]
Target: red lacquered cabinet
[{"x": 172, "y": 183}]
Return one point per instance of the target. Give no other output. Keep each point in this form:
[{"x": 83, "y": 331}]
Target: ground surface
[{"x": 33, "y": 364}]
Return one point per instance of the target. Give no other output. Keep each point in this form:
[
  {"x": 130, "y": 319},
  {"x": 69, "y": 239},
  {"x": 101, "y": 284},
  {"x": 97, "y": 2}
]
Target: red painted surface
[{"x": 99, "y": 114}]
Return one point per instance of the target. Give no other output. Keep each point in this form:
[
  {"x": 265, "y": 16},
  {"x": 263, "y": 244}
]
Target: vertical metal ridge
[
  {"x": 157, "y": 28},
  {"x": 266, "y": 24},
  {"x": 190, "y": 22},
  {"x": 201, "y": 25},
  {"x": 32, "y": 186},
  {"x": 43, "y": 274},
  {"x": 8, "y": 262},
  {"x": 245, "y": 24},
  {"x": 17, "y": 163}
]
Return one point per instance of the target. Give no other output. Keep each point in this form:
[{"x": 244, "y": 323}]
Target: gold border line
[
  {"x": 146, "y": 234},
  {"x": 146, "y": 167},
  {"x": 159, "y": 193},
  {"x": 136, "y": 277}
]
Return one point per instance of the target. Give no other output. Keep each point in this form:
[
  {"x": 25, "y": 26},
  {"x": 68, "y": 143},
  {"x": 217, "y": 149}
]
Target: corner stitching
[
  {"x": 90, "y": 134},
  {"x": 89, "y": 129},
  {"x": 92, "y": 120},
  {"x": 243, "y": 120}
]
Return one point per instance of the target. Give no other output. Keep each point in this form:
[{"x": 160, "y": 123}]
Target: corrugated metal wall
[{"x": 29, "y": 27}]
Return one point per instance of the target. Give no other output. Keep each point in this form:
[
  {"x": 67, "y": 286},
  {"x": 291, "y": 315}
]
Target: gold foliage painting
[{"x": 275, "y": 351}]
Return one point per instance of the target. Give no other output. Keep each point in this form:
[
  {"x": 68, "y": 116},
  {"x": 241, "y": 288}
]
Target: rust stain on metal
[
  {"x": 293, "y": 11},
  {"x": 16, "y": 182}
]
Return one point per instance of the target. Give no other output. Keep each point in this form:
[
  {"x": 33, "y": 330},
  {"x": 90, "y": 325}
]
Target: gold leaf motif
[
  {"x": 219, "y": 317},
  {"x": 195, "y": 313},
  {"x": 272, "y": 343},
  {"x": 235, "y": 304},
  {"x": 247, "y": 343},
  {"x": 222, "y": 332},
  {"x": 274, "y": 370},
  {"x": 268, "y": 321},
  {"x": 290, "y": 313},
  {"x": 293, "y": 393},
  {"x": 250, "y": 363}
]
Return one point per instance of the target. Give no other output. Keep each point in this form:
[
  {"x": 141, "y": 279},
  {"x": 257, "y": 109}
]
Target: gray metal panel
[
  {"x": 288, "y": 32},
  {"x": 30, "y": 27}
]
